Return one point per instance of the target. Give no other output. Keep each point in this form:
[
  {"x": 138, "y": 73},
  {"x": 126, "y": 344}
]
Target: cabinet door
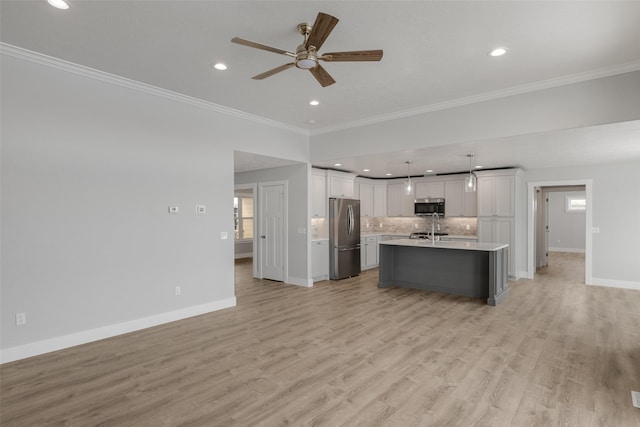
[
  {"x": 429, "y": 189},
  {"x": 454, "y": 198},
  {"x": 486, "y": 190},
  {"x": 504, "y": 195},
  {"x": 496, "y": 196},
  {"x": 366, "y": 199},
  {"x": 379, "y": 200},
  {"x": 320, "y": 260},
  {"x": 393, "y": 200},
  {"x": 371, "y": 252},
  {"x": 485, "y": 230},
  {"x": 340, "y": 187},
  {"x": 499, "y": 230},
  {"x": 363, "y": 253},
  {"x": 470, "y": 204},
  {"x": 319, "y": 196},
  {"x": 398, "y": 203}
]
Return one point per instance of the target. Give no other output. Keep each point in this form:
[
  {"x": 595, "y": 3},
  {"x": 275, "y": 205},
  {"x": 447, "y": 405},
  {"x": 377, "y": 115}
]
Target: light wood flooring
[{"x": 555, "y": 353}]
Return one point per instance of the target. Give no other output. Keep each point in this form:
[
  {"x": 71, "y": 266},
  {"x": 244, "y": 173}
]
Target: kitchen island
[{"x": 472, "y": 269}]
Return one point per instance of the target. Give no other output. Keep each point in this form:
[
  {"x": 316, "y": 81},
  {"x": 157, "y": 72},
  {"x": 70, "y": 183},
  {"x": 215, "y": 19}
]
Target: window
[
  {"x": 243, "y": 217},
  {"x": 575, "y": 204}
]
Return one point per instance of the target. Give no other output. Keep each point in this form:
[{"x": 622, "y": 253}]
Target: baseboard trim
[
  {"x": 610, "y": 283},
  {"x": 300, "y": 281},
  {"x": 571, "y": 250},
  {"x": 84, "y": 337}
]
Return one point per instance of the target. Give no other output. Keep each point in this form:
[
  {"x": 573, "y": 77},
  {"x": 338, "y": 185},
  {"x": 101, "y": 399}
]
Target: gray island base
[{"x": 471, "y": 269}]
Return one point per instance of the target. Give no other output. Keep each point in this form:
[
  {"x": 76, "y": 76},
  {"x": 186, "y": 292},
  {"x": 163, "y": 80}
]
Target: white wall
[
  {"x": 616, "y": 209},
  {"x": 594, "y": 102},
  {"x": 298, "y": 215},
  {"x": 566, "y": 229},
  {"x": 89, "y": 168}
]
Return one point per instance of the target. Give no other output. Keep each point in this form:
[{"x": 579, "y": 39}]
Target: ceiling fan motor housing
[{"x": 306, "y": 59}]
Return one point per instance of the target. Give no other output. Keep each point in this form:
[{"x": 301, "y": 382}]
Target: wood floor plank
[{"x": 346, "y": 353}]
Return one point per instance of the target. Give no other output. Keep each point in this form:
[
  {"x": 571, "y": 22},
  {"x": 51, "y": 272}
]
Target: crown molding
[
  {"x": 49, "y": 61},
  {"x": 488, "y": 96}
]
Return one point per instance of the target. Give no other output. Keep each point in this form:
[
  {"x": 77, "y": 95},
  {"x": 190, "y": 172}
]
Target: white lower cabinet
[
  {"x": 499, "y": 230},
  {"x": 369, "y": 252},
  {"x": 320, "y": 260}
]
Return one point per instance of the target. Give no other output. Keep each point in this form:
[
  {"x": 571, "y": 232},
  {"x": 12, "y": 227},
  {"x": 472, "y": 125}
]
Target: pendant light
[
  {"x": 408, "y": 184},
  {"x": 470, "y": 180}
]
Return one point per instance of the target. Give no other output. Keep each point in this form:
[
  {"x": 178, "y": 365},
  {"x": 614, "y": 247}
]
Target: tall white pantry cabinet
[{"x": 499, "y": 213}]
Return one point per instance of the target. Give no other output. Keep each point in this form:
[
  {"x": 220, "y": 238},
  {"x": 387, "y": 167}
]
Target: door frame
[
  {"x": 531, "y": 219},
  {"x": 254, "y": 190},
  {"x": 285, "y": 227}
]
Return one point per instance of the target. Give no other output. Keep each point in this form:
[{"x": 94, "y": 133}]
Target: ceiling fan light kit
[{"x": 306, "y": 56}]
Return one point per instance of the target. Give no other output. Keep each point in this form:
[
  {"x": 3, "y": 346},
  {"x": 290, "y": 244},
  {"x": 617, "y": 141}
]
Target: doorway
[{"x": 537, "y": 223}]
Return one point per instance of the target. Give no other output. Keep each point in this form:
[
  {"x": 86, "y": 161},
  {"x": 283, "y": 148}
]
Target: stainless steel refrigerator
[{"x": 344, "y": 238}]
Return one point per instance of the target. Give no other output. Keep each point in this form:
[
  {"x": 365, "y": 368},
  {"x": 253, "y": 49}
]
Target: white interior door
[{"x": 272, "y": 232}]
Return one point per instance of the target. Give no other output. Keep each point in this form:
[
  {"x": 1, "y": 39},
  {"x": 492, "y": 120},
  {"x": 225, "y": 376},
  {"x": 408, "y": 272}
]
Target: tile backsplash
[{"x": 454, "y": 225}]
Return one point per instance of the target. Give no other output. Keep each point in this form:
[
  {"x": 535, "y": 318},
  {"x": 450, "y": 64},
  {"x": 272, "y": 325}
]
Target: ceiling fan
[{"x": 307, "y": 57}]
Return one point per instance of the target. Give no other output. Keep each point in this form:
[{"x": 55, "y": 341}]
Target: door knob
[{"x": 263, "y": 237}]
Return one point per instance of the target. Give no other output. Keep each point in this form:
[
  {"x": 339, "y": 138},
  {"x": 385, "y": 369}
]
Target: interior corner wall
[
  {"x": 616, "y": 208},
  {"x": 298, "y": 215},
  {"x": 89, "y": 169}
]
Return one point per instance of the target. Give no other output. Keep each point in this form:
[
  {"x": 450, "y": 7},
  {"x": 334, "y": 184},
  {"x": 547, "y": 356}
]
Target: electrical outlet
[
  {"x": 467, "y": 227},
  {"x": 224, "y": 235},
  {"x": 173, "y": 209},
  {"x": 21, "y": 319},
  {"x": 178, "y": 290}
]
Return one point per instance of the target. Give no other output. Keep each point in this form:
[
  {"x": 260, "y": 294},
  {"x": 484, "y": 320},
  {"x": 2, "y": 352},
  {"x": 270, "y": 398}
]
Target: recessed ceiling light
[
  {"x": 478, "y": 167},
  {"x": 314, "y": 102},
  {"x": 365, "y": 170},
  {"x": 429, "y": 170},
  {"x": 220, "y": 66},
  {"x": 499, "y": 51},
  {"x": 60, "y": 4},
  {"x": 388, "y": 174},
  {"x": 337, "y": 164},
  {"x": 311, "y": 122}
]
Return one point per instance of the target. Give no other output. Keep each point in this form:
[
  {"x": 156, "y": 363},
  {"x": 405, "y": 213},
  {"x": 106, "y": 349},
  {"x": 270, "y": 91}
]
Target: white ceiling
[{"x": 434, "y": 52}]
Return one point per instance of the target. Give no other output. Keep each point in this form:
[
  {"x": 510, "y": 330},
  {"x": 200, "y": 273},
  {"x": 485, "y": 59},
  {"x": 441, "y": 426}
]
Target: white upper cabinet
[
  {"x": 366, "y": 199},
  {"x": 373, "y": 197},
  {"x": 429, "y": 189},
  {"x": 340, "y": 184},
  {"x": 496, "y": 195},
  {"x": 380, "y": 200},
  {"x": 454, "y": 198},
  {"x": 319, "y": 196},
  {"x": 398, "y": 203}
]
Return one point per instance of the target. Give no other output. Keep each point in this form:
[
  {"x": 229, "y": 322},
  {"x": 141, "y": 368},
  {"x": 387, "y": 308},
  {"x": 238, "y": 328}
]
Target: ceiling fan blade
[
  {"x": 322, "y": 76},
  {"x": 321, "y": 29},
  {"x": 272, "y": 72},
  {"x": 356, "y": 55},
  {"x": 249, "y": 43}
]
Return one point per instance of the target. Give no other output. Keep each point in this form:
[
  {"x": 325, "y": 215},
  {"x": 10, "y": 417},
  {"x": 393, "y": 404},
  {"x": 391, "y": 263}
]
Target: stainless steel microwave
[{"x": 429, "y": 207}]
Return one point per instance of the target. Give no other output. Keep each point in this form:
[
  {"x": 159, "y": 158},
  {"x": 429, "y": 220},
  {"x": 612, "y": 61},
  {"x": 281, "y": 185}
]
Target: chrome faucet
[{"x": 435, "y": 219}]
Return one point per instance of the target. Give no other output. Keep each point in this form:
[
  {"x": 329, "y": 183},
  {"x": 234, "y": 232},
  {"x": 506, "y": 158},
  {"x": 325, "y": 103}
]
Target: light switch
[
  {"x": 595, "y": 230},
  {"x": 173, "y": 209},
  {"x": 224, "y": 235}
]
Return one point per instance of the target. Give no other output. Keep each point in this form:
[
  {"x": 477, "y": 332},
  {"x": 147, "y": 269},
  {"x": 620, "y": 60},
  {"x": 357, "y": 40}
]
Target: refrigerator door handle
[{"x": 350, "y": 220}]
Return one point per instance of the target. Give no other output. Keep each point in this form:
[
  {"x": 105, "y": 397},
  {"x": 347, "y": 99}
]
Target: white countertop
[{"x": 468, "y": 246}]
